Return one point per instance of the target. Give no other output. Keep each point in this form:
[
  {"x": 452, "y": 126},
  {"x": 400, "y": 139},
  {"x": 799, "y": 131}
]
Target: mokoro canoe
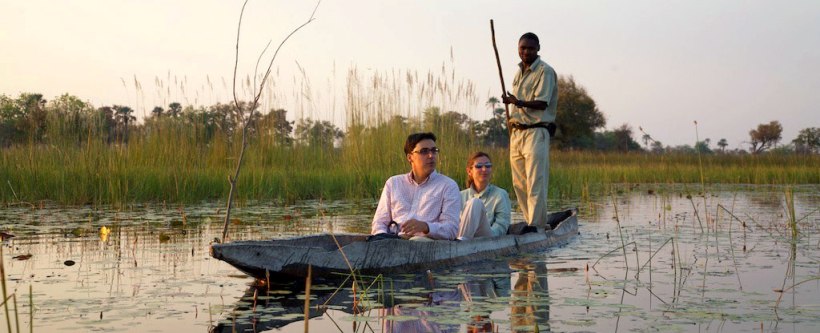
[{"x": 339, "y": 253}]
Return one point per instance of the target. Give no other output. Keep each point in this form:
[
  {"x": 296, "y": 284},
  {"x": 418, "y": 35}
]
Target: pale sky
[{"x": 660, "y": 65}]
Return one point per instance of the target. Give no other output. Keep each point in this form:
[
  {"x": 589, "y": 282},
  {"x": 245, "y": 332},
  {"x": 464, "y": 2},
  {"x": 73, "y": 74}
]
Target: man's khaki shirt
[{"x": 538, "y": 82}]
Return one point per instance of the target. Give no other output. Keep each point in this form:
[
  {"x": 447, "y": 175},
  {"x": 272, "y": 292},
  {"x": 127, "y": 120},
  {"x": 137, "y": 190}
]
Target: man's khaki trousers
[{"x": 529, "y": 162}]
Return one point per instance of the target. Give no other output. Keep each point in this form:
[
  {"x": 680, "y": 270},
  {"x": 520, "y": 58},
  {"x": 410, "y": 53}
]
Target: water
[{"x": 727, "y": 261}]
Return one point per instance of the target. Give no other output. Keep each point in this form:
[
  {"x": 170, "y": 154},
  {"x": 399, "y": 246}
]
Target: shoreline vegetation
[
  {"x": 70, "y": 152},
  {"x": 177, "y": 172}
]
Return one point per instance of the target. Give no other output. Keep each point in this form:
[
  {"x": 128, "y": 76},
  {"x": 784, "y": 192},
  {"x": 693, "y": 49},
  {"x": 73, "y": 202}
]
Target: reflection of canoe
[
  {"x": 291, "y": 257},
  {"x": 267, "y": 313}
]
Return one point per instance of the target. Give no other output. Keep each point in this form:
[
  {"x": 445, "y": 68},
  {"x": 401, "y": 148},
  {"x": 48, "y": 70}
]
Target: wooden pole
[{"x": 501, "y": 75}]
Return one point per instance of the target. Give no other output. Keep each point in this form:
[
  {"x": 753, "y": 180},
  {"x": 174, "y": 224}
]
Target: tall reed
[{"x": 179, "y": 161}]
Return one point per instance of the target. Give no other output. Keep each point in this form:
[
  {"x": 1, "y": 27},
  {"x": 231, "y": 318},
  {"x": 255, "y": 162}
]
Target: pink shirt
[{"x": 436, "y": 201}]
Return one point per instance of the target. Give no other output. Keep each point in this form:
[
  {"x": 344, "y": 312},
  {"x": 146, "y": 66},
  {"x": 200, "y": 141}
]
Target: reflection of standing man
[
  {"x": 535, "y": 95},
  {"x": 530, "y": 312}
]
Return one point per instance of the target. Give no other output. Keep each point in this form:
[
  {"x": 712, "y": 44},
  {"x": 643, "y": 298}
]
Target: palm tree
[
  {"x": 123, "y": 115},
  {"x": 492, "y": 102},
  {"x": 157, "y": 111},
  {"x": 722, "y": 144},
  {"x": 175, "y": 109},
  {"x": 646, "y": 138}
]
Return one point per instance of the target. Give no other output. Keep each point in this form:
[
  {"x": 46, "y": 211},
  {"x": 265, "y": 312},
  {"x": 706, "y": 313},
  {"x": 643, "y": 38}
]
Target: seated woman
[{"x": 481, "y": 196}]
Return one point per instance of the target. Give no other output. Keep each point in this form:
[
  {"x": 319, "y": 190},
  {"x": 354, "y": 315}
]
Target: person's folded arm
[{"x": 502, "y": 215}]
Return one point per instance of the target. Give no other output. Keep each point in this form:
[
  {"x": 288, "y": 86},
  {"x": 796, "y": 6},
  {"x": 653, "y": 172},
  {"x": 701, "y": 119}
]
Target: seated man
[{"x": 425, "y": 204}]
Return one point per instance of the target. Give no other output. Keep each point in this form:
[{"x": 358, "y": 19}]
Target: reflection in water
[
  {"x": 464, "y": 299},
  {"x": 530, "y": 300},
  {"x": 452, "y": 303},
  {"x": 418, "y": 317},
  {"x": 745, "y": 269}
]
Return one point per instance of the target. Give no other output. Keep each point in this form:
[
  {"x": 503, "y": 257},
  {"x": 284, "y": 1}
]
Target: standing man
[{"x": 535, "y": 95}]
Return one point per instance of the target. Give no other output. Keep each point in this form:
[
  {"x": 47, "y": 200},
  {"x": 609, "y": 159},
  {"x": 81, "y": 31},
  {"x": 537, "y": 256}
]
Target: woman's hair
[{"x": 470, "y": 161}]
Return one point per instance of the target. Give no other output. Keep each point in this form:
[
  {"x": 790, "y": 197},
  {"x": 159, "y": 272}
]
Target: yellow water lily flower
[{"x": 104, "y": 231}]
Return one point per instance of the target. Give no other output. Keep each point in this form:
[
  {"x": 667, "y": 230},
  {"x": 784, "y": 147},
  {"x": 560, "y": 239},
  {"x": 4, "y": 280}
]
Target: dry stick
[
  {"x": 732, "y": 249},
  {"x": 648, "y": 261},
  {"x": 790, "y": 269},
  {"x": 742, "y": 223},
  {"x": 611, "y": 251},
  {"x": 247, "y": 122},
  {"x": 777, "y": 304},
  {"x": 334, "y": 322},
  {"x": 15, "y": 193},
  {"x": 307, "y": 298},
  {"x": 653, "y": 255},
  {"x": 255, "y": 298},
  {"x": 501, "y": 76},
  {"x": 366, "y": 290},
  {"x": 336, "y": 291},
  {"x": 697, "y": 215},
  {"x": 705, "y": 270},
  {"x": 623, "y": 294},
  {"x": 31, "y": 309},
  {"x": 16, "y": 313},
  {"x": 618, "y": 221},
  {"x": 656, "y": 296},
  {"x": 702, "y": 181},
  {"x": 7, "y": 299},
  {"x": 210, "y": 316},
  {"x": 676, "y": 264},
  {"x": 349, "y": 266},
  {"x": 5, "y": 293}
]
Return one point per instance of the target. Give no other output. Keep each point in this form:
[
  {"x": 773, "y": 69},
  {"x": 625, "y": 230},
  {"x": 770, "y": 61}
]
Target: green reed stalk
[{"x": 791, "y": 212}]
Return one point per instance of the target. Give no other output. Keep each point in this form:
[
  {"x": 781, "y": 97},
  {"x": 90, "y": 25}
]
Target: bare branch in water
[{"x": 247, "y": 121}]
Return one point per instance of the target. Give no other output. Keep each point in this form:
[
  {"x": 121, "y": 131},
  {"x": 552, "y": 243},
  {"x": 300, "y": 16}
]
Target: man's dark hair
[
  {"x": 530, "y": 36},
  {"x": 415, "y": 138}
]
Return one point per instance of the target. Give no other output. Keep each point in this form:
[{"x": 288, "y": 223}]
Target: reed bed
[
  {"x": 173, "y": 161},
  {"x": 145, "y": 172}
]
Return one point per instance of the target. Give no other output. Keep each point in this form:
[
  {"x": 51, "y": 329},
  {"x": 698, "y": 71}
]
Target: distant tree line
[{"x": 30, "y": 119}]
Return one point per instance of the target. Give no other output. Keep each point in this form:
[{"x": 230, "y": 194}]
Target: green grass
[
  {"x": 175, "y": 162},
  {"x": 146, "y": 171}
]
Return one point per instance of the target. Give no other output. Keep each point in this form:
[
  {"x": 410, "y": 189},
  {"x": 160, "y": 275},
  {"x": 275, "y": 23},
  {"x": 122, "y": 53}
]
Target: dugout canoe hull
[{"x": 290, "y": 257}]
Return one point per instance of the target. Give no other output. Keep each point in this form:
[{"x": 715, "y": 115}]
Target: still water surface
[{"x": 646, "y": 259}]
